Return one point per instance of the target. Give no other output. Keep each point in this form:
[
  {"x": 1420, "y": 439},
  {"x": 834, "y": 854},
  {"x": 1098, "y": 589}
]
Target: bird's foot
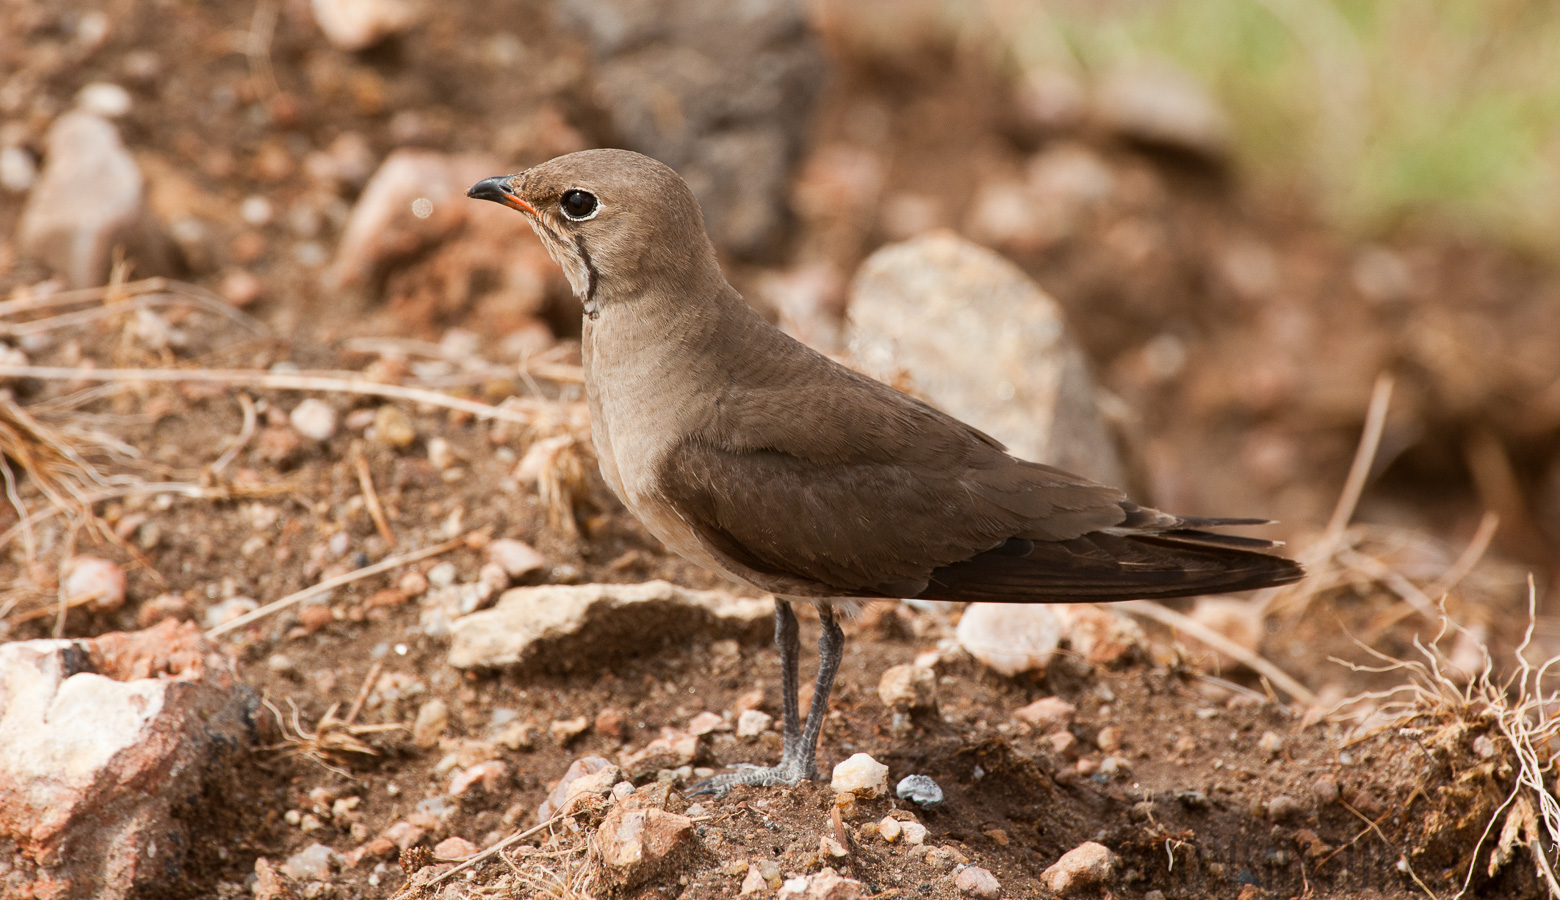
[{"x": 789, "y": 773}]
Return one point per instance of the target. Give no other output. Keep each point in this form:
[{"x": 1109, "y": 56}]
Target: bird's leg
[{"x": 799, "y": 753}]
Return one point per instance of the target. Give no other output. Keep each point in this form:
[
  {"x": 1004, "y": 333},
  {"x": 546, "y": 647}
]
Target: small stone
[
  {"x": 600, "y": 783},
  {"x": 904, "y": 688},
  {"x": 314, "y": 617},
  {"x": 578, "y": 769},
  {"x": 314, "y": 419},
  {"x": 404, "y": 834},
  {"x": 943, "y": 859},
  {"x": 359, "y": 24},
  {"x": 1112, "y": 766},
  {"x": 432, "y": 718},
  {"x": 638, "y": 845},
  {"x": 889, "y": 829},
  {"x": 98, "y": 579},
  {"x": 1010, "y": 638},
  {"x": 1046, "y": 714},
  {"x": 752, "y": 723},
  {"x": 612, "y": 723},
  {"x": 671, "y": 750},
  {"x": 828, "y": 846},
  {"x": 1484, "y": 747},
  {"x": 270, "y": 884},
  {"x": 1285, "y": 810},
  {"x": 1326, "y": 791},
  {"x": 1100, "y": 635},
  {"x": 228, "y": 610},
  {"x": 1063, "y": 744},
  {"x": 1270, "y": 744},
  {"x": 312, "y": 863},
  {"x": 240, "y": 288},
  {"x": 860, "y": 775},
  {"x": 753, "y": 882},
  {"x": 1155, "y": 103},
  {"x": 1085, "y": 868},
  {"x": 517, "y": 558},
  {"x": 706, "y": 723},
  {"x": 974, "y": 881},
  {"x": 18, "y": 171},
  {"x": 104, "y": 98},
  {"x": 920, "y": 790},
  {"x": 486, "y": 774},
  {"x": 391, "y": 426},
  {"x": 1109, "y": 739},
  {"x": 455, "y": 848},
  {"x": 914, "y": 832},
  {"x": 826, "y": 884}
]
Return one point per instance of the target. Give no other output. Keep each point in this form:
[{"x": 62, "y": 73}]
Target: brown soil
[{"x": 1262, "y": 417}]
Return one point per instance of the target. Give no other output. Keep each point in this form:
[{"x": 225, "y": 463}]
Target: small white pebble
[
  {"x": 915, "y": 832},
  {"x": 753, "y": 723},
  {"x": 314, "y": 419},
  {"x": 104, "y": 98}
]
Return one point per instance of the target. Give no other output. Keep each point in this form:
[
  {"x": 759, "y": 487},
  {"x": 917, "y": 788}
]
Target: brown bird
[{"x": 753, "y": 455}]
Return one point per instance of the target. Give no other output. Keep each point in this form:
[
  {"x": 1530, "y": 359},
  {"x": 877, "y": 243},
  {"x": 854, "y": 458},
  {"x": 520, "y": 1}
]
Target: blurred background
[{"x": 1247, "y": 212}]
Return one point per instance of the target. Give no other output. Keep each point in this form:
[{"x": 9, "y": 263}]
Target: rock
[
  {"x": 753, "y": 882},
  {"x": 826, "y": 884},
  {"x": 1286, "y": 810},
  {"x": 564, "y": 731},
  {"x": 1046, "y": 714},
  {"x": 432, "y": 718},
  {"x": 1160, "y": 105},
  {"x": 889, "y": 829},
  {"x": 1098, "y": 634},
  {"x": 487, "y": 774},
  {"x": 907, "y": 687},
  {"x": 360, "y": 24},
  {"x": 578, "y": 769},
  {"x": 455, "y": 849},
  {"x": 1063, "y": 744},
  {"x": 753, "y": 723},
  {"x": 1270, "y": 744},
  {"x": 89, "y": 201},
  {"x": 241, "y": 288},
  {"x": 612, "y": 723},
  {"x": 312, "y": 863},
  {"x": 104, "y": 98},
  {"x": 18, "y": 169},
  {"x": 314, "y": 419},
  {"x": 1326, "y": 790},
  {"x": 105, "y": 740},
  {"x": 1109, "y": 738},
  {"x": 920, "y": 790},
  {"x": 1085, "y": 868},
  {"x": 917, "y": 308},
  {"x": 723, "y": 93},
  {"x": 638, "y": 845},
  {"x": 973, "y": 881},
  {"x": 517, "y": 558},
  {"x": 566, "y": 627},
  {"x": 599, "y": 783},
  {"x": 669, "y": 751},
  {"x": 404, "y": 834},
  {"x": 706, "y": 723},
  {"x": 914, "y": 832},
  {"x": 944, "y": 858},
  {"x": 99, "y": 579},
  {"x": 271, "y": 884},
  {"x": 1010, "y": 638},
  {"x": 393, "y": 427},
  {"x": 860, "y": 775}
]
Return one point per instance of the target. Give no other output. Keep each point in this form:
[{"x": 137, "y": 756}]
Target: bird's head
[{"x": 616, "y": 221}]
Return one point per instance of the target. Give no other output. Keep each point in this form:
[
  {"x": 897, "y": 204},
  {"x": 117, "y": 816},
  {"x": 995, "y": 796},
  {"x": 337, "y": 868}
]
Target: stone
[
  {"x": 393, "y": 427},
  {"x": 432, "y": 718},
  {"x": 270, "y": 883},
  {"x": 89, "y": 201},
  {"x": 104, "y": 98},
  {"x": 973, "y": 881},
  {"x": 314, "y": 419},
  {"x": 1086, "y": 868},
  {"x": 99, "y": 579},
  {"x": 360, "y": 24},
  {"x": 889, "y": 829},
  {"x": 753, "y": 722},
  {"x": 404, "y": 834},
  {"x": 638, "y": 845},
  {"x": 1010, "y": 638},
  {"x": 826, "y": 884},
  {"x": 753, "y": 882},
  {"x": 105, "y": 741},
  {"x": 920, "y": 790},
  {"x": 1158, "y": 104},
  {"x": 1286, "y": 810},
  {"x": 18, "y": 170},
  {"x": 723, "y": 93},
  {"x": 1046, "y": 714},
  {"x": 455, "y": 848},
  {"x": 585, "y": 765},
  {"x": 1099, "y": 634},
  {"x": 312, "y": 863},
  {"x": 669, "y": 751},
  {"x": 488, "y": 775},
  {"x": 566, "y": 730},
  {"x": 567, "y": 627},
  {"x": 914, "y": 832},
  {"x": 918, "y": 307},
  {"x": 241, "y": 288},
  {"x": 908, "y": 687},
  {"x": 517, "y": 558},
  {"x": 860, "y": 775},
  {"x": 707, "y": 723}
]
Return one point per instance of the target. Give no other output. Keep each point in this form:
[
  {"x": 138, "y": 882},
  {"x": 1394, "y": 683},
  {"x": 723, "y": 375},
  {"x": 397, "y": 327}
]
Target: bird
[{"x": 759, "y": 458}]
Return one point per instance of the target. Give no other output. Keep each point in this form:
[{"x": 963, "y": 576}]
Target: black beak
[{"x": 497, "y": 190}]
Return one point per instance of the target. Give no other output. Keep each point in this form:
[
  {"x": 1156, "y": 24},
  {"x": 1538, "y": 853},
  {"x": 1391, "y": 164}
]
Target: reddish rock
[
  {"x": 672, "y": 749},
  {"x": 637, "y": 845},
  {"x": 104, "y": 739},
  {"x": 1086, "y": 868},
  {"x": 578, "y": 769},
  {"x": 1046, "y": 714}
]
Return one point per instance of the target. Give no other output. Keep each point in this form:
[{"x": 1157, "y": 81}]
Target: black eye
[{"x": 577, "y": 204}]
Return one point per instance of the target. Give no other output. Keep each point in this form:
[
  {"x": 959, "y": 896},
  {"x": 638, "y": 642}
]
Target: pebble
[
  {"x": 914, "y": 832},
  {"x": 1046, "y": 714},
  {"x": 359, "y": 24},
  {"x": 612, "y": 723},
  {"x": 566, "y": 730},
  {"x": 432, "y": 718},
  {"x": 826, "y": 884},
  {"x": 487, "y": 774},
  {"x": 314, "y": 419},
  {"x": 442, "y": 575},
  {"x": 270, "y": 884},
  {"x": 228, "y": 610},
  {"x": 707, "y": 722},
  {"x": 672, "y": 750},
  {"x": 860, "y": 775},
  {"x": 1109, "y": 739},
  {"x": 100, "y": 579},
  {"x": 517, "y": 558},
  {"x": 585, "y": 765},
  {"x": 404, "y": 834},
  {"x": 920, "y": 790},
  {"x": 636, "y": 846},
  {"x": 391, "y": 426},
  {"x": 752, "y": 723},
  {"x": 18, "y": 170},
  {"x": 1085, "y": 868},
  {"x": 944, "y": 858},
  {"x": 889, "y": 829},
  {"x": 1326, "y": 790},
  {"x": 104, "y": 98},
  {"x": 753, "y": 882},
  {"x": 1270, "y": 744},
  {"x": 1285, "y": 810},
  {"x": 908, "y": 687},
  {"x": 455, "y": 849},
  {"x": 1159, "y": 104},
  {"x": 973, "y": 881},
  {"x": 240, "y": 288},
  {"x": 1101, "y": 636},
  {"x": 312, "y": 863},
  {"x": 1010, "y": 638},
  {"x": 1063, "y": 744}
]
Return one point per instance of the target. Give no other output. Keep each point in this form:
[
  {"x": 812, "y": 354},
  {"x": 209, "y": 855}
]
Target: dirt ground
[{"x": 1238, "y": 339}]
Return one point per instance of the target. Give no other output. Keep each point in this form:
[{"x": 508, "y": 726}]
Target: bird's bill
[{"x": 497, "y": 190}]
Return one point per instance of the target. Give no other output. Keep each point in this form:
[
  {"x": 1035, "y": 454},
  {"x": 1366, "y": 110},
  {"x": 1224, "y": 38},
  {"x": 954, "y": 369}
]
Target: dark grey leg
[{"x": 799, "y": 746}]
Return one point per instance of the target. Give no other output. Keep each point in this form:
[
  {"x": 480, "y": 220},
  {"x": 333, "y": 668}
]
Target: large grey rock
[
  {"x": 90, "y": 200},
  {"x": 980, "y": 340},
  {"x": 722, "y": 92},
  {"x": 100, "y": 741},
  {"x": 564, "y": 627}
]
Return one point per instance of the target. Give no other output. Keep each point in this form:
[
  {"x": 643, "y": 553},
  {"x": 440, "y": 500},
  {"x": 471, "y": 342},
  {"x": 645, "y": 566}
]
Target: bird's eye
[{"x": 577, "y": 204}]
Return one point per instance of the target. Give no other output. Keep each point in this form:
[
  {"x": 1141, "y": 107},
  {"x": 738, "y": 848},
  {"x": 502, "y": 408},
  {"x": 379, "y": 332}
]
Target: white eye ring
[{"x": 583, "y": 200}]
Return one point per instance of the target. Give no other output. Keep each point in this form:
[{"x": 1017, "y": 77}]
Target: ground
[{"x": 1238, "y": 339}]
